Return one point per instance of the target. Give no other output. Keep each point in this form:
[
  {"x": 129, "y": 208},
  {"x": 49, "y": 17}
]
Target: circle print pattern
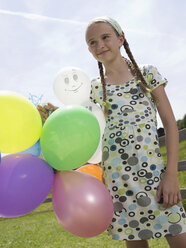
[{"x": 132, "y": 164}]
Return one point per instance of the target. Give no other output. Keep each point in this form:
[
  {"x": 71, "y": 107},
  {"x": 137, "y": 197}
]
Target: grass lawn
[{"x": 41, "y": 229}]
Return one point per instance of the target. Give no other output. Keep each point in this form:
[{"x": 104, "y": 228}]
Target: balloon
[
  {"x": 82, "y": 203},
  {"x": 92, "y": 169},
  {"x": 34, "y": 150},
  {"x": 70, "y": 137},
  {"x": 72, "y": 86},
  {"x": 97, "y": 111},
  {"x": 25, "y": 181},
  {"x": 20, "y": 123}
]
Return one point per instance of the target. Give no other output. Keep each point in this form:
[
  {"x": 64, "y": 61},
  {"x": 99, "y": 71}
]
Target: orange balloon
[{"x": 92, "y": 169}]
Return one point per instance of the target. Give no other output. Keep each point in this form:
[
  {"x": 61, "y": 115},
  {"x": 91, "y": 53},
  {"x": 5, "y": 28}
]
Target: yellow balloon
[{"x": 20, "y": 123}]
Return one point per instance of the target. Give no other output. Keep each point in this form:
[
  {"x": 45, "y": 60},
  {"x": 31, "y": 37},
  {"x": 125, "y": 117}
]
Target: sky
[{"x": 40, "y": 37}]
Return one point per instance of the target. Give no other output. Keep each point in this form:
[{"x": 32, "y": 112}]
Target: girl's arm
[{"x": 169, "y": 186}]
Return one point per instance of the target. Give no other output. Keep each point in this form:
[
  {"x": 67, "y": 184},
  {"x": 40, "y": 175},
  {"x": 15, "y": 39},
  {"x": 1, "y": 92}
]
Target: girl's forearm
[{"x": 172, "y": 147}]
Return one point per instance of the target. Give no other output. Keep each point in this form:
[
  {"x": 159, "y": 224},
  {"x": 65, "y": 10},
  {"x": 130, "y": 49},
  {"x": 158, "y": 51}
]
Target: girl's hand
[
  {"x": 169, "y": 190},
  {"x": 46, "y": 110}
]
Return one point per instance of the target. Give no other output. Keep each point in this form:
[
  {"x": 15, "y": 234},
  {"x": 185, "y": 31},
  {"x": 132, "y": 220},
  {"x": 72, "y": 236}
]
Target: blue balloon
[{"x": 34, "y": 150}]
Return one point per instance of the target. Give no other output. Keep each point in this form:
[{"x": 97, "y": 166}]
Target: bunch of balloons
[
  {"x": 72, "y": 87},
  {"x": 69, "y": 139},
  {"x": 25, "y": 180}
]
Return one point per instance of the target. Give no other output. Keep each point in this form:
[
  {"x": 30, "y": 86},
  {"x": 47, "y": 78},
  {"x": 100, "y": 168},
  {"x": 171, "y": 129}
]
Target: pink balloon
[{"x": 82, "y": 203}]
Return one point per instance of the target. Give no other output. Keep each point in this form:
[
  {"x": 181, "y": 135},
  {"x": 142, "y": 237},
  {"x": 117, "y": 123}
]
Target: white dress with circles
[{"x": 132, "y": 163}]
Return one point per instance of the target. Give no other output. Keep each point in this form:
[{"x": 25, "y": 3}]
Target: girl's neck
[
  {"x": 116, "y": 66},
  {"x": 117, "y": 72}
]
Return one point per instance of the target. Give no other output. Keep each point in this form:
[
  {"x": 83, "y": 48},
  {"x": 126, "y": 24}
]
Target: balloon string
[{"x": 35, "y": 99}]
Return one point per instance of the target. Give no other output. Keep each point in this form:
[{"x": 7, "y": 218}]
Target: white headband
[{"x": 111, "y": 21}]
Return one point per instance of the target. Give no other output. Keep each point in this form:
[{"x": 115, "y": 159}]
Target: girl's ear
[{"x": 121, "y": 39}]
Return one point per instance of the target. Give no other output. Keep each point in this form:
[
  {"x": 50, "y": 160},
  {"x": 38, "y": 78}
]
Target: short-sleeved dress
[{"x": 132, "y": 164}]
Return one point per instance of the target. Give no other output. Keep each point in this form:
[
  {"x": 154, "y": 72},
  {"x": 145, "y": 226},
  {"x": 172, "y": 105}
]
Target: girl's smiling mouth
[{"x": 102, "y": 52}]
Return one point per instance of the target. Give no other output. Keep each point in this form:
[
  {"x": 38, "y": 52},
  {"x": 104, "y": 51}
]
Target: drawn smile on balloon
[{"x": 75, "y": 90}]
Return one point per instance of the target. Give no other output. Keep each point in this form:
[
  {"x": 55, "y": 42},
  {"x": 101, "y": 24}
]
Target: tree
[{"x": 182, "y": 123}]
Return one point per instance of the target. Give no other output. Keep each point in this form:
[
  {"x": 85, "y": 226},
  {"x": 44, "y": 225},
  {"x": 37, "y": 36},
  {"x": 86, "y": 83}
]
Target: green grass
[
  {"x": 182, "y": 151},
  {"x": 40, "y": 228},
  {"x": 182, "y": 156}
]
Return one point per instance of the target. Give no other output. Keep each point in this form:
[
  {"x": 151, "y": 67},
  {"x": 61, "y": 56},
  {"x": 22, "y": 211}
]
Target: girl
[{"x": 145, "y": 194}]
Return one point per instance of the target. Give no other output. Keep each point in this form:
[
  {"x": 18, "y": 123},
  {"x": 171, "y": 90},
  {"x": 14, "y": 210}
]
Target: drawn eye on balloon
[
  {"x": 72, "y": 86},
  {"x": 66, "y": 80},
  {"x": 75, "y": 77}
]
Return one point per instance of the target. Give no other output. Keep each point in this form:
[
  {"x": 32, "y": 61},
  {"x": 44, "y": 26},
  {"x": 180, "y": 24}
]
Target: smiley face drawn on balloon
[
  {"x": 72, "y": 86},
  {"x": 72, "y": 82}
]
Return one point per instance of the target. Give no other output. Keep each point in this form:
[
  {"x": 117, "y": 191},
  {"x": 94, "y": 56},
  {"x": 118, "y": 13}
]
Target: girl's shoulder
[
  {"x": 152, "y": 75},
  {"x": 148, "y": 68}
]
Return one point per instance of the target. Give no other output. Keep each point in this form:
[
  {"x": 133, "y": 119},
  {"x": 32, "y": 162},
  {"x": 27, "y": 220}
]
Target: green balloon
[{"x": 70, "y": 137}]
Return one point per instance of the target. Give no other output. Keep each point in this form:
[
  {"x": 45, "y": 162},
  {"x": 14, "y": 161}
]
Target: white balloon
[
  {"x": 72, "y": 86},
  {"x": 97, "y": 111}
]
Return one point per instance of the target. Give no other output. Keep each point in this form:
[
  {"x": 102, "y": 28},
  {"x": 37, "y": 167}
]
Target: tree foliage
[{"x": 182, "y": 123}]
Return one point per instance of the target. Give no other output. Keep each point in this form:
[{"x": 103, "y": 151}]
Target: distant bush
[{"x": 182, "y": 123}]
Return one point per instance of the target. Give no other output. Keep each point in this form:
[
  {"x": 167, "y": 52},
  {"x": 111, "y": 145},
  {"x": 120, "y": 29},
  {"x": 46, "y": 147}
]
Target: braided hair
[{"x": 100, "y": 65}]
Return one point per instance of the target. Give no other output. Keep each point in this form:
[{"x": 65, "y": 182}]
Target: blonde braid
[
  {"x": 103, "y": 87},
  {"x": 135, "y": 69}
]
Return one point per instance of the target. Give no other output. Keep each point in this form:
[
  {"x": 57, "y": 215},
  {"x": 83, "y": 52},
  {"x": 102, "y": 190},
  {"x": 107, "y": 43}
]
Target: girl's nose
[{"x": 100, "y": 44}]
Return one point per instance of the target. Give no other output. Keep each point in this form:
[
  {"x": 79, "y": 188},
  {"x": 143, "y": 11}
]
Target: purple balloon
[
  {"x": 25, "y": 182},
  {"x": 82, "y": 203}
]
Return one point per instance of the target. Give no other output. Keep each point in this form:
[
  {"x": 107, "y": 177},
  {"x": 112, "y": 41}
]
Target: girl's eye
[
  {"x": 66, "y": 80},
  {"x": 105, "y": 37},
  {"x": 92, "y": 43},
  {"x": 75, "y": 77}
]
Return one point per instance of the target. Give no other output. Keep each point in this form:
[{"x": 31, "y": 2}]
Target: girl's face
[{"x": 103, "y": 42}]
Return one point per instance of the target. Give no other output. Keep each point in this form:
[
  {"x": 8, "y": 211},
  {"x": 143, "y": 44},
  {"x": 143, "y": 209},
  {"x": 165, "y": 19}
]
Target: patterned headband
[{"x": 111, "y": 21}]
